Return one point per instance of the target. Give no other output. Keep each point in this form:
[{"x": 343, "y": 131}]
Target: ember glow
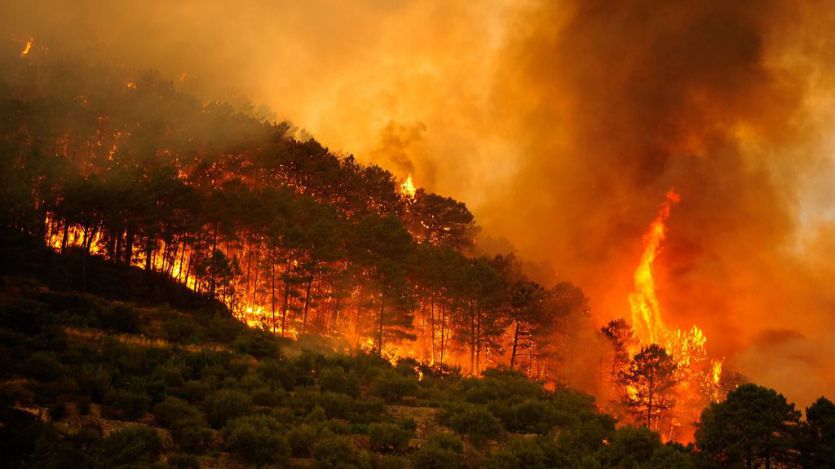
[{"x": 27, "y": 47}]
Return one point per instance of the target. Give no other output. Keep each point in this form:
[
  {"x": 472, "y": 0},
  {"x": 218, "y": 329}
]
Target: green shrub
[
  {"x": 301, "y": 439},
  {"x": 43, "y": 366},
  {"x": 392, "y": 387},
  {"x": 259, "y": 344},
  {"x": 180, "y": 329},
  {"x": 94, "y": 381},
  {"x": 388, "y": 437},
  {"x": 334, "y": 451},
  {"x": 266, "y": 397},
  {"x": 630, "y": 447},
  {"x": 276, "y": 374},
  {"x": 337, "y": 380},
  {"x": 225, "y": 405},
  {"x": 439, "y": 451},
  {"x": 432, "y": 457},
  {"x": 194, "y": 390},
  {"x": 126, "y": 404},
  {"x": 257, "y": 439},
  {"x": 183, "y": 461},
  {"x": 223, "y": 329},
  {"x": 519, "y": 452},
  {"x": 670, "y": 457},
  {"x": 120, "y": 317},
  {"x": 132, "y": 445},
  {"x": 172, "y": 410},
  {"x": 192, "y": 435},
  {"x": 477, "y": 423}
]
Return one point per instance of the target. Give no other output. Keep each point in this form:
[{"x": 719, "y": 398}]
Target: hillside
[
  {"x": 119, "y": 164},
  {"x": 94, "y": 381}
]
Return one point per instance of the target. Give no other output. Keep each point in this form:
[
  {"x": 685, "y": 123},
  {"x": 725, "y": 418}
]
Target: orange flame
[
  {"x": 646, "y": 314},
  {"x": 699, "y": 374},
  {"x": 27, "y": 47},
  {"x": 407, "y": 188}
]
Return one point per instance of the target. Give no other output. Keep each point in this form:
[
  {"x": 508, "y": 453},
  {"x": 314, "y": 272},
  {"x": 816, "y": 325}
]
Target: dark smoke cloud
[
  {"x": 625, "y": 100},
  {"x": 562, "y": 124}
]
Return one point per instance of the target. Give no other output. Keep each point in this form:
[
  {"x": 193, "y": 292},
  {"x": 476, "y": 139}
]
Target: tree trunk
[
  {"x": 128, "y": 246},
  {"x": 472, "y": 339},
  {"x": 478, "y": 339},
  {"x": 65, "y": 237},
  {"x": 515, "y": 345},
  {"x": 650, "y": 392},
  {"x": 380, "y": 329},
  {"x": 286, "y": 296},
  {"x": 306, "y": 304},
  {"x": 272, "y": 290},
  {"x": 212, "y": 262},
  {"x": 432, "y": 322},
  {"x": 148, "y": 253},
  {"x": 443, "y": 331}
]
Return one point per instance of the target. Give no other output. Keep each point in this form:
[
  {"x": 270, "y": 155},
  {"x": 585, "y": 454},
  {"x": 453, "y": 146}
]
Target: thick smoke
[
  {"x": 624, "y": 100},
  {"x": 562, "y": 124}
]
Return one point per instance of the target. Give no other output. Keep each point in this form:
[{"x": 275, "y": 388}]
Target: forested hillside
[{"x": 109, "y": 162}]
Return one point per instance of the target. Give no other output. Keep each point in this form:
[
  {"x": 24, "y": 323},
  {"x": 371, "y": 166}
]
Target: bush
[
  {"x": 388, "y": 437},
  {"x": 172, "y": 410},
  {"x": 120, "y": 317},
  {"x": 531, "y": 416},
  {"x": 477, "y": 423},
  {"x": 392, "y": 387},
  {"x": 431, "y": 457},
  {"x": 301, "y": 439},
  {"x": 519, "y": 452},
  {"x": 183, "y": 461},
  {"x": 94, "y": 381},
  {"x": 126, "y": 404},
  {"x": 334, "y": 451},
  {"x": 268, "y": 398},
  {"x": 630, "y": 447},
  {"x": 225, "y": 405},
  {"x": 179, "y": 329},
  {"x": 337, "y": 380},
  {"x": 257, "y": 439},
  {"x": 43, "y": 366},
  {"x": 670, "y": 457},
  {"x": 440, "y": 451},
  {"x": 223, "y": 329},
  {"x": 131, "y": 446},
  {"x": 192, "y": 435},
  {"x": 259, "y": 344},
  {"x": 276, "y": 374}
]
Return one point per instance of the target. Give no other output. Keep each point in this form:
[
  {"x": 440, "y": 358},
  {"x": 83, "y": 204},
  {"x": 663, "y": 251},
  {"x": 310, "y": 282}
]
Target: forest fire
[
  {"x": 407, "y": 188},
  {"x": 694, "y": 377}
]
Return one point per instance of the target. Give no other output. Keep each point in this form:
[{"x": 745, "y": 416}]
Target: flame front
[
  {"x": 699, "y": 375},
  {"x": 646, "y": 314},
  {"x": 407, "y": 188}
]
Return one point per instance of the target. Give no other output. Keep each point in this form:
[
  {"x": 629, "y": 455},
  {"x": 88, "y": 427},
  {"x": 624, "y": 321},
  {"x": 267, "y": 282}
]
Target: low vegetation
[{"x": 89, "y": 381}]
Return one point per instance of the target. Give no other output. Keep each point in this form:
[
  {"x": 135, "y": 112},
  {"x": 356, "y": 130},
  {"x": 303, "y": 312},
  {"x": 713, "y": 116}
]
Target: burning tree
[
  {"x": 620, "y": 336},
  {"x": 659, "y": 351},
  {"x": 650, "y": 378}
]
